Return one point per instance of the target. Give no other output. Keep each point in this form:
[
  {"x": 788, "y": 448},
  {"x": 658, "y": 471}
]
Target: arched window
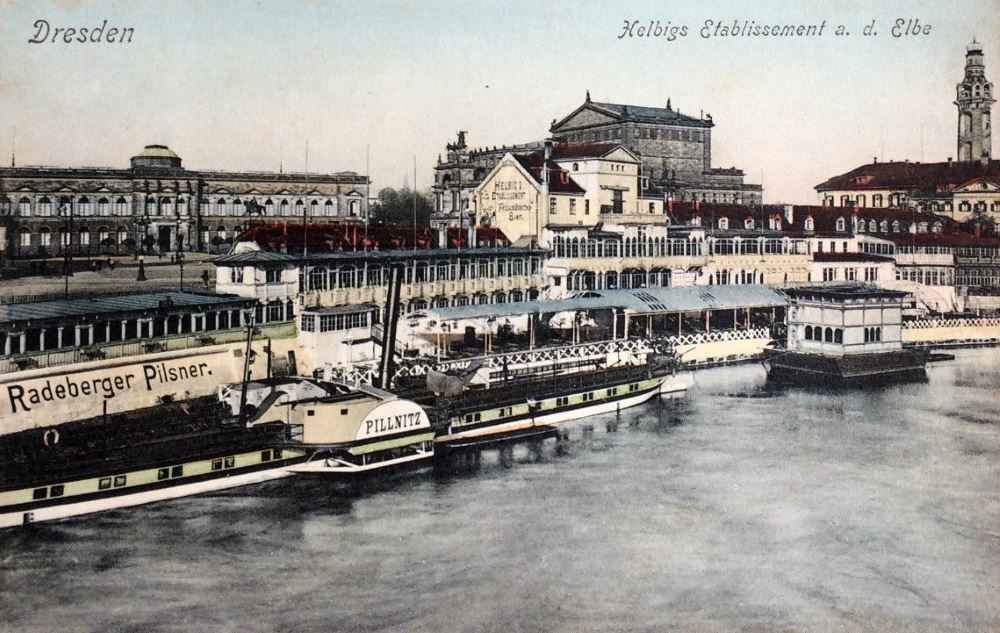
[
  {"x": 269, "y": 207},
  {"x": 84, "y": 237},
  {"x": 838, "y": 335},
  {"x": 872, "y": 226},
  {"x": 103, "y": 236},
  {"x": 868, "y": 334},
  {"x": 45, "y": 236},
  {"x": 4, "y": 205},
  {"x": 828, "y": 335},
  {"x": 220, "y": 206},
  {"x": 576, "y": 167},
  {"x": 328, "y": 209},
  {"x": 809, "y": 224},
  {"x": 102, "y": 206},
  {"x": 44, "y": 206},
  {"x": 237, "y": 207},
  {"x": 122, "y": 233},
  {"x": 723, "y": 223},
  {"x": 24, "y": 206},
  {"x": 84, "y": 207},
  {"x": 841, "y": 224},
  {"x": 25, "y": 237},
  {"x": 748, "y": 224},
  {"x": 883, "y": 226},
  {"x": 809, "y": 332},
  {"x": 121, "y": 207},
  {"x": 861, "y": 226}
]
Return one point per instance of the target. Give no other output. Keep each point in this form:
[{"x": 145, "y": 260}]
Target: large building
[
  {"x": 156, "y": 205},
  {"x": 674, "y": 153},
  {"x": 675, "y": 149},
  {"x": 968, "y": 187}
]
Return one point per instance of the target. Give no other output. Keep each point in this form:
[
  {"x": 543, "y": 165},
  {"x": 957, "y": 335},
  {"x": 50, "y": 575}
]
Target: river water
[{"x": 866, "y": 510}]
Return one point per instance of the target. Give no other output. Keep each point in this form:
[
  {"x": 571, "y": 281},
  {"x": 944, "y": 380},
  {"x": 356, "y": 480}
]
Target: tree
[
  {"x": 982, "y": 221},
  {"x": 396, "y": 207}
]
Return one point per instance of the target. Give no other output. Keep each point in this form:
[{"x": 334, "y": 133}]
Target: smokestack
[
  {"x": 790, "y": 214},
  {"x": 546, "y": 157},
  {"x": 949, "y": 161},
  {"x": 387, "y": 366}
]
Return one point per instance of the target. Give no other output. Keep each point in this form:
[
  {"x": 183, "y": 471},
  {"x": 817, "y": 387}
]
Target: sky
[{"x": 246, "y": 85}]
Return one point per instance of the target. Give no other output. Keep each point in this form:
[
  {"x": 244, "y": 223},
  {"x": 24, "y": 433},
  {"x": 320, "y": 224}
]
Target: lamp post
[
  {"x": 67, "y": 243},
  {"x": 142, "y": 269}
]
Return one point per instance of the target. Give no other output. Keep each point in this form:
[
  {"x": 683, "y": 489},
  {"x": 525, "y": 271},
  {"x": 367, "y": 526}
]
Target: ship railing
[{"x": 950, "y": 323}]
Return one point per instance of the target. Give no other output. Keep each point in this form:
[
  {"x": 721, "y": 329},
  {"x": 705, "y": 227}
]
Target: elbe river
[{"x": 734, "y": 509}]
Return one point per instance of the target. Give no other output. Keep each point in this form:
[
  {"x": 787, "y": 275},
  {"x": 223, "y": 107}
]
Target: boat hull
[
  {"x": 94, "y": 504},
  {"x": 553, "y": 418}
]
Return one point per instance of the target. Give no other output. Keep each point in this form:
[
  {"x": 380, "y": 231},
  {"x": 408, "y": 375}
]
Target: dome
[{"x": 156, "y": 156}]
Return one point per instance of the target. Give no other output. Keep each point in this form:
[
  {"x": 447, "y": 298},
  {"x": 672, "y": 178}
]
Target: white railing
[
  {"x": 720, "y": 336},
  {"x": 950, "y": 323}
]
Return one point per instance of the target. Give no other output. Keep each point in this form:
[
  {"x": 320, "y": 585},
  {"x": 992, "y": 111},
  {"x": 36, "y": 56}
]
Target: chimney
[
  {"x": 949, "y": 161},
  {"x": 546, "y": 157},
  {"x": 874, "y": 160},
  {"x": 790, "y": 214}
]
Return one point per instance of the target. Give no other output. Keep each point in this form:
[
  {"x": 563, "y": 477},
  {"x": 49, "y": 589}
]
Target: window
[
  {"x": 25, "y": 238},
  {"x": 809, "y": 224},
  {"x": 120, "y": 481},
  {"x": 56, "y": 491},
  {"x": 229, "y": 462},
  {"x": 44, "y": 206},
  {"x": 586, "y": 207},
  {"x": 272, "y": 276},
  {"x": 308, "y": 323},
  {"x": 809, "y": 332},
  {"x": 177, "y": 471},
  {"x": 723, "y": 223},
  {"x": 828, "y": 335},
  {"x": 841, "y": 225},
  {"x": 852, "y": 274},
  {"x": 40, "y": 493},
  {"x": 24, "y": 206},
  {"x": 265, "y": 456},
  {"x": 163, "y": 473},
  {"x": 84, "y": 237},
  {"x": 237, "y": 275},
  {"x": 552, "y": 206},
  {"x": 572, "y": 206},
  {"x": 45, "y": 237},
  {"x": 104, "y": 483},
  {"x": 121, "y": 207},
  {"x": 216, "y": 464},
  {"x": 829, "y": 274},
  {"x": 576, "y": 167}
]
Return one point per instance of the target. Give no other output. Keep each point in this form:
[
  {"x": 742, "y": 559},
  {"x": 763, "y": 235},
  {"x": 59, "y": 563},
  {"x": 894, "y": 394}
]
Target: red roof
[
  {"x": 559, "y": 178},
  {"x": 926, "y": 177},
  {"x": 824, "y": 217},
  {"x": 849, "y": 257}
]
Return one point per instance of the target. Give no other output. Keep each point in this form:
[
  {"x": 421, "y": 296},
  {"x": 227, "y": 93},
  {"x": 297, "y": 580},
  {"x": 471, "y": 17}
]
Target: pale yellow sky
[{"x": 243, "y": 85}]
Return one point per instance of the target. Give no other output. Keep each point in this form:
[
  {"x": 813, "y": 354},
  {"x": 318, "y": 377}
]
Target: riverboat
[
  {"x": 128, "y": 459},
  {"x": 347, "y": 430},
  {"x": 522, "y": 409}
]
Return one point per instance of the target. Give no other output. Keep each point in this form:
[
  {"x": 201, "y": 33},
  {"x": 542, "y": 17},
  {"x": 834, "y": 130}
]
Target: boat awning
[{"x": 634, "y": 301}]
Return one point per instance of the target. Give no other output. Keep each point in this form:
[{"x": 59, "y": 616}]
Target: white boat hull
[
  {"x": 555, "y": 418},
  {"x": 66, "y": 510}
]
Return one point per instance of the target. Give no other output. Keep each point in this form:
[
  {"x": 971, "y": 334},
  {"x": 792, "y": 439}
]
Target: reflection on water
[{"x": 736, "y": 508}]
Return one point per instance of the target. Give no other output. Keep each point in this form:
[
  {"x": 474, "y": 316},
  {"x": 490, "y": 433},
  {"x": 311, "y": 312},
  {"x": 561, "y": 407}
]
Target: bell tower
[{"x": 974, "y": 95}]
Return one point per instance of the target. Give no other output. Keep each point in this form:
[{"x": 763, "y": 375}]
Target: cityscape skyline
[{"x": 391, "y": 81}]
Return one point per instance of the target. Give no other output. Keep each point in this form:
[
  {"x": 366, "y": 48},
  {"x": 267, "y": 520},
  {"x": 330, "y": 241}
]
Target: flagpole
[
  {"x": 368, "y": 190},
  {"x": 414, "y": 202}
]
